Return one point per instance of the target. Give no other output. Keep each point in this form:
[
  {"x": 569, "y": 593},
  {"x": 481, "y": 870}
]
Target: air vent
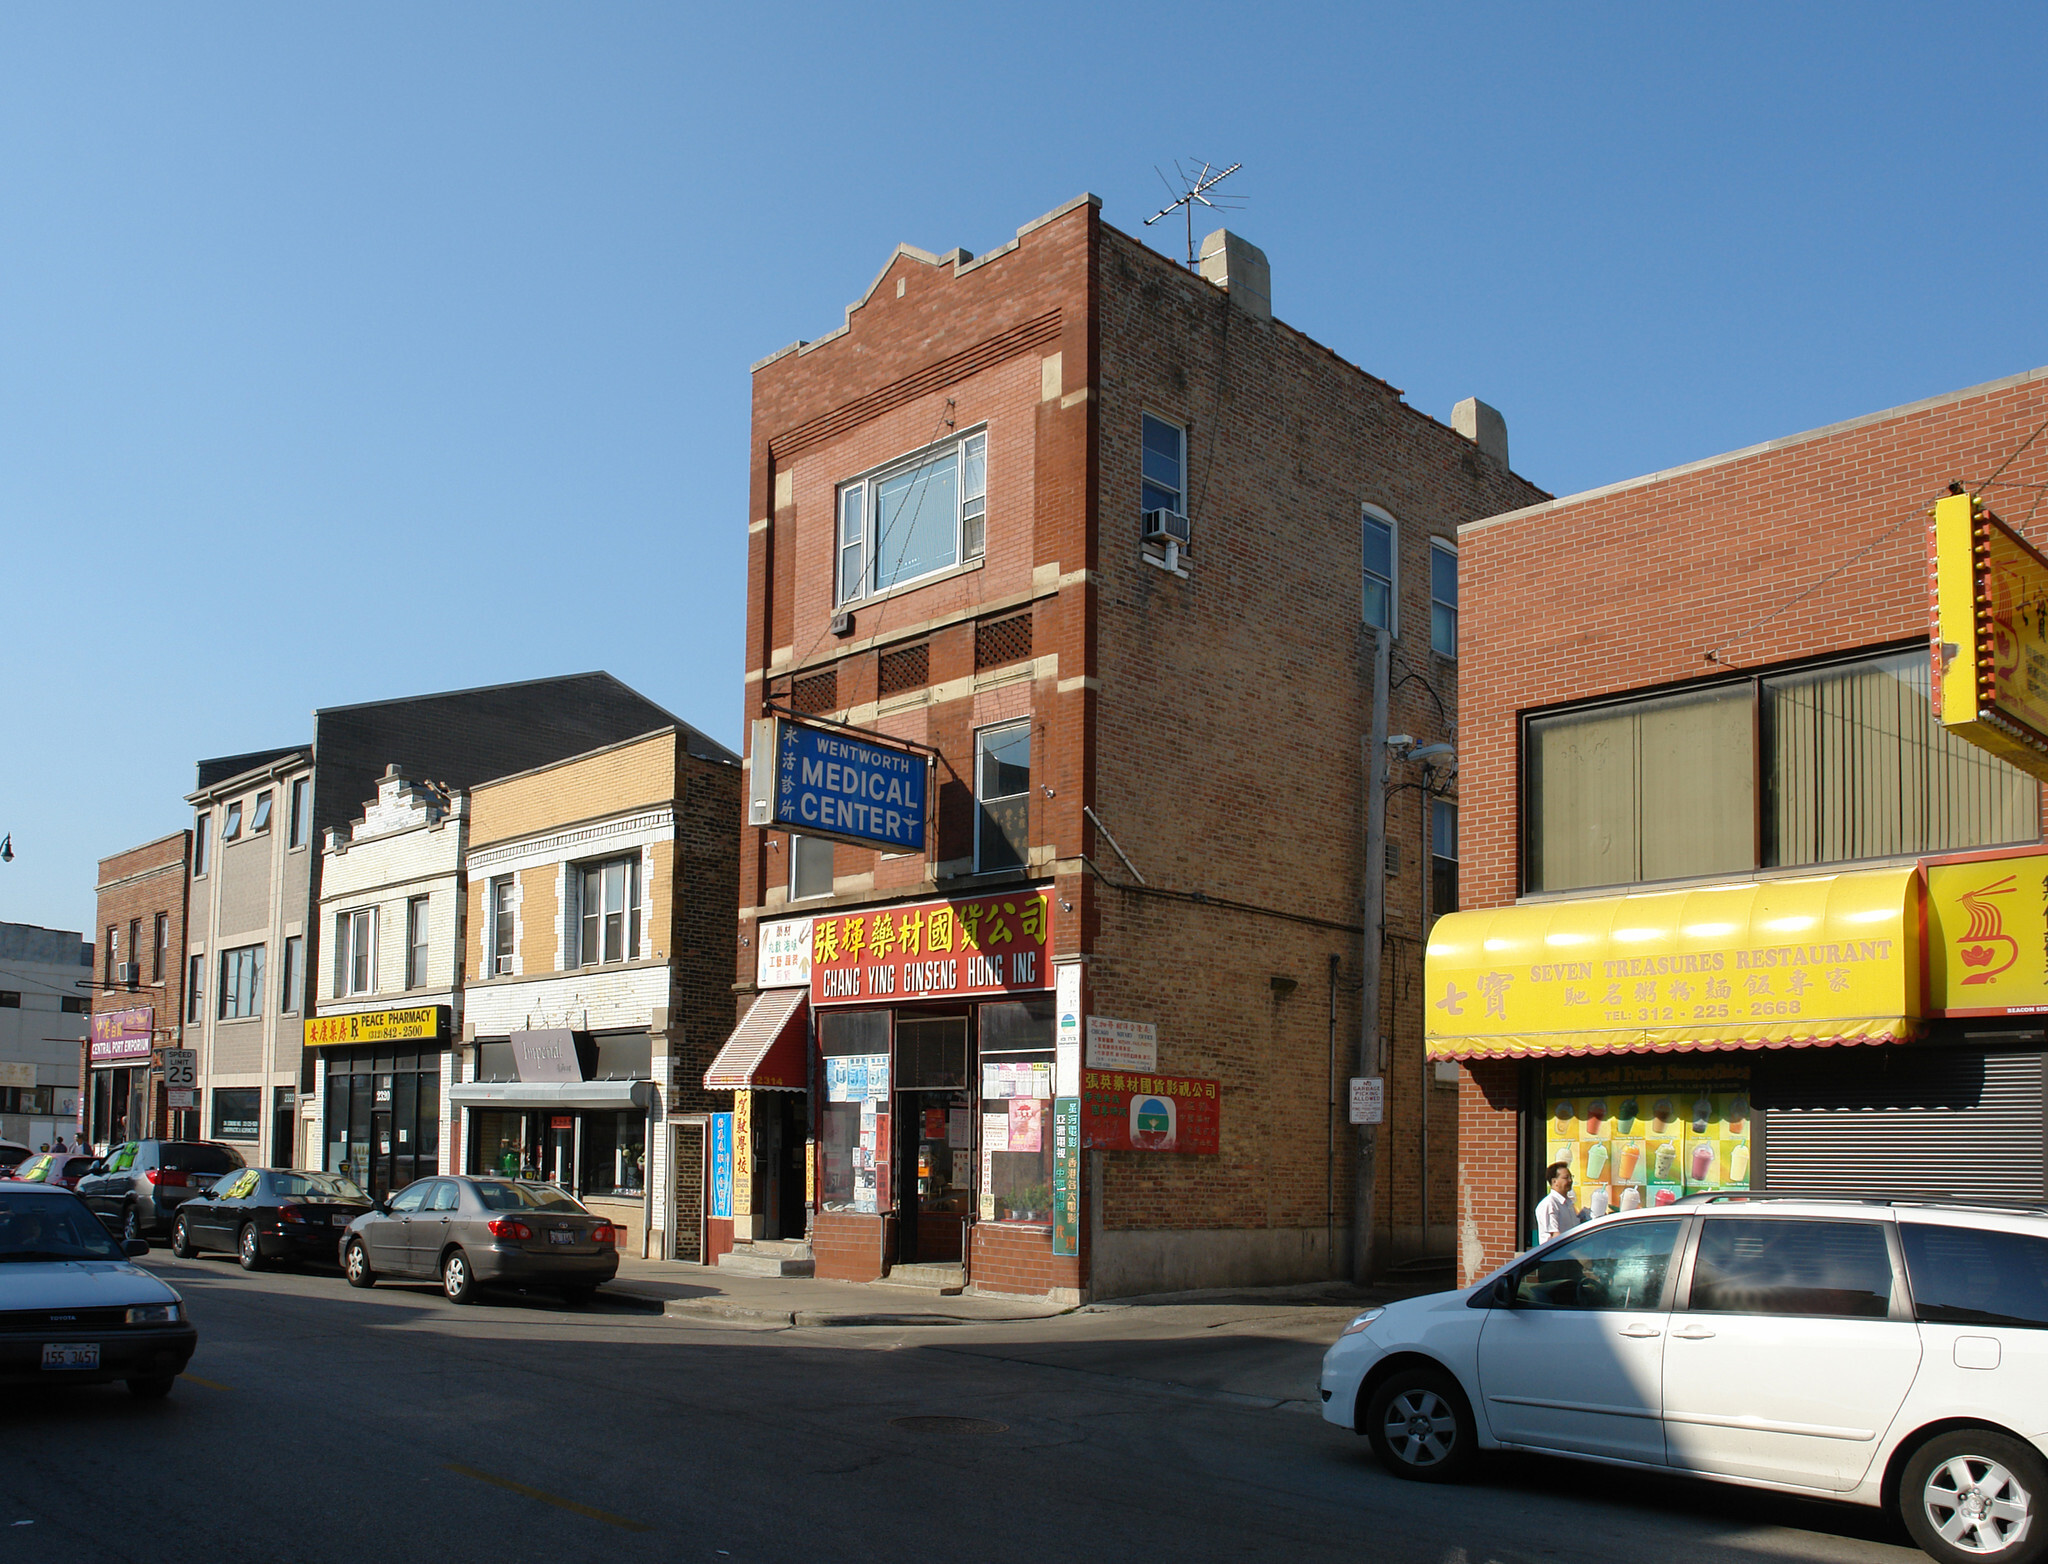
[
  {"x": 127, "y": 972},
  {"x": 907, "y": 668},
  {"x": 842, "y": 623},
  {"x": 1000, "y": 641},
  {"x": 819, "y": 692},
  {"x": 1166, "y": 526}
]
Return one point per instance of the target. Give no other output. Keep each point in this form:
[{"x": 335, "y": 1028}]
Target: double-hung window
[
  {"x": 202, "y": 827},
  {"x": 1164, "y": 485},
  {"x": 416, "y": 942},
  {"x": 195, "y": 989},
  {"x": 288, "y": 1002},
  {"x": 1443, "y": 857},
  {"x": 301, "y": 822},
  {"x": 912, "y": 519},
  {"x": 1002, "y": 795},
  {"x": 355, "y": 952},
  {"x": 1443, "y": 598},
  {"x": 608, "y": 895},
  {"x": 161, "y": 949},
  {"x": 1379, "y": 571},
  {"x": 499, "y": 952},
  {"x": 241, "y": 982}
]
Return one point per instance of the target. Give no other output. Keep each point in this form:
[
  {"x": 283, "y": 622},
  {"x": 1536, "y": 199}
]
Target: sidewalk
[{"x": 687, "y": 1290}]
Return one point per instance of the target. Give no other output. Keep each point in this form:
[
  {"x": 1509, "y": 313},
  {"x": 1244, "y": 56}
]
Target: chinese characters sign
[
  {"x": 987, "y": 945},
  {"x": 823, "y": 782},
  {"x": 1066, "y": 1175},
  {"x": 1818, "y": 959},
  {"x": 785, "y": 956},
  {"x": 423, "y": 1023},
  {"x": 1123, "y": 1111},
  {"x": 1990, "y": 634},
  {"x": 119, "y": 1035},
  {"x": 721, "y": 1165}
]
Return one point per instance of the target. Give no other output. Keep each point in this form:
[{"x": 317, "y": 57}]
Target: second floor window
[
  {"x": 912, "y": 519},
  {"x": 301, "y": 822},
  {"x": 416, "y": 942},
  {"x": 500, "y": 934},
  {"x": 810, "y": 867},
  {"x": 1002, "y": 796},
  {"x": 293, "y": 975},
  {"x": 1165, "y": 468},
  {"x": 355, "y": 952},
  {"x": 161, "y": 949},
  {"x": 608, "y": 895},
  {"x": 1379, "y": 572},
  {"x": 1443, "y": 599},
  {"x": 195, "y": 989},
  {"x": 241, "y": 982},
  {"x": 1443, "y": 857}
]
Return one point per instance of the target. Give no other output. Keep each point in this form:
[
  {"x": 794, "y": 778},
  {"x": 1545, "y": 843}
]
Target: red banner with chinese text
[
  {"x": 998, "y": 944},
  {"x": 1122, "y": 1110}
]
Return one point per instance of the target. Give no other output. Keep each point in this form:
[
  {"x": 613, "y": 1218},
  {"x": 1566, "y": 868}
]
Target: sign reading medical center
[{"x": 826, "y": 783}]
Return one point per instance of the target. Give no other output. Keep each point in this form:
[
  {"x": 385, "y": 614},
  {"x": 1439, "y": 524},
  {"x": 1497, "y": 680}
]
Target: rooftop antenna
[{"x": 1194, "y": 188}]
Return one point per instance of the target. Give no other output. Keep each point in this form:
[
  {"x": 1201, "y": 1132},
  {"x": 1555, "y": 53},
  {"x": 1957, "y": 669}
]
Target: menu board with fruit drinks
[{"x": 1649, "y": 1142}]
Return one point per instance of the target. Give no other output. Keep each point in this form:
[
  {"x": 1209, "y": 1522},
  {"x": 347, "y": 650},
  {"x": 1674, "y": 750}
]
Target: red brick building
[
  {"x": 1711, "y": 829},
  {"x": 139, "y": 995},
  {"x": 1144, "y": 749}
]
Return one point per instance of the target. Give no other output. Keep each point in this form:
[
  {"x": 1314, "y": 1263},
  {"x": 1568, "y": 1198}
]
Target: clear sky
[{"x": 359, "y": 351}]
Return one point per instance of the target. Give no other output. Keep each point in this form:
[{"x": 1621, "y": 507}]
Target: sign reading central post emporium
[{"x": 823, "y": 782}]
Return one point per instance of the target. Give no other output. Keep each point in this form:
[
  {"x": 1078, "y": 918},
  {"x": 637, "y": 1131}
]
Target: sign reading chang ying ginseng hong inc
[{"x": 828, "y": 782}]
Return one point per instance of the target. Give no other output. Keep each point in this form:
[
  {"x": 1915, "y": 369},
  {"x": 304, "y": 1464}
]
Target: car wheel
[
  {"x": 355, "y": 1265},
  {"x": 249, "y": 1249},
  {"x": 181, "y": 1240},
  {"x": 131, "y": 1226},
  {"x": 456, "y": 1280},
  {"x": 1420, "y": 1426},
  {"x": 1971, "y": 1495},
  {"x": 579, "y": 1296},
  {"x": 154, "y": 1388}
]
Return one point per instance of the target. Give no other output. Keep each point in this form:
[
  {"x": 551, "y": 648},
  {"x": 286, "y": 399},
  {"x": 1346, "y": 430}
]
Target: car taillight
[
  {"x": 290, "y": 1214},
  {"x": 166, "y": 1177},
  {"x": 509, "y": 1227},
  {"x": 604, "y": 1233}
]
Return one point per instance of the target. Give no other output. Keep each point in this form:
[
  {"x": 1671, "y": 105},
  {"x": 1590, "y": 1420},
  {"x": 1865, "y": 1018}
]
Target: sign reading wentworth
[{"x": 824, "y": 782}]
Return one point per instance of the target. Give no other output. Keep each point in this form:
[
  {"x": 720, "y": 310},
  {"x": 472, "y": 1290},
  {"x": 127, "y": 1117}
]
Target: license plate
[
  {"x": 561, "y": 1235},
  {"x": 341, "y": 1219},
  {"x": 71, "y": 1355}
]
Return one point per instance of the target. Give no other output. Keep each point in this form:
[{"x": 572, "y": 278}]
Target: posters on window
[
  {"x": 1649, "y": 1140},
  {"x": 1029, "y": 1078},
  {"x": 1026, "y": 1127}
]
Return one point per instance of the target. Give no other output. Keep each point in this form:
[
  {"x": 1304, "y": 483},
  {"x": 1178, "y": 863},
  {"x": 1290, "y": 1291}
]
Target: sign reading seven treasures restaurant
[{"x": 982, "y": 945}]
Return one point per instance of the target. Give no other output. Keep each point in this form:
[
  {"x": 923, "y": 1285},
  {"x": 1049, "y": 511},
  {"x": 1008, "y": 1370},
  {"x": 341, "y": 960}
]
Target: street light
[{"x": 7, "y": 849}]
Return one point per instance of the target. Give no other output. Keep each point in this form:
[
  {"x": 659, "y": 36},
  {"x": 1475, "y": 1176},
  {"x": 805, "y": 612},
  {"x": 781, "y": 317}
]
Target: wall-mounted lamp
[{"x": 1283, "y": 986}]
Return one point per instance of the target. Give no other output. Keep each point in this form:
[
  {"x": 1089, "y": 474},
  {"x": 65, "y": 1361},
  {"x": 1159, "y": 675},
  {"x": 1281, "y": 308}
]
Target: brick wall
[
  {"x": 135, "y": 887},
  {"x": 1807, "y": 546}
]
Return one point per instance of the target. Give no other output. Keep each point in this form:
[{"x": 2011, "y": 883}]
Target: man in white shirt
[{"x": 1555, "y": 1212}]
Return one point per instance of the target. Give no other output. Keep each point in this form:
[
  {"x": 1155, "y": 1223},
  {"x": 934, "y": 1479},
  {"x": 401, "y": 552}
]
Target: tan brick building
[
  {"x": 1714, "y": 838},
  {"x": 597, "y": 982},
  {"x": 956, "y": 542}
]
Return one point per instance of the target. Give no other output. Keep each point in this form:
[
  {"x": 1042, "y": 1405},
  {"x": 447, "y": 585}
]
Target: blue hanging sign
[
  {"x": 721, "y": 1165},
  {"x": 829, "y": 783}
]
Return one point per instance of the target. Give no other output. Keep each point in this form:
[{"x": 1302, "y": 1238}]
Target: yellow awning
[{"x": 1823, "y": 959}]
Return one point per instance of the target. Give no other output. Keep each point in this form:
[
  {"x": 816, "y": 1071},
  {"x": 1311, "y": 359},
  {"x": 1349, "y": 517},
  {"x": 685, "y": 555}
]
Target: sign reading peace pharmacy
[
  {"x": 1987, "y": 936},
  {"x": 420, "y": 1024}
]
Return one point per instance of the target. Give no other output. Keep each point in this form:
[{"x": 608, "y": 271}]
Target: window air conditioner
[
  {"x": 842, "y": 622},
  {"x": 126, "y": 972},
  {"x": 1167, "y": 526}
]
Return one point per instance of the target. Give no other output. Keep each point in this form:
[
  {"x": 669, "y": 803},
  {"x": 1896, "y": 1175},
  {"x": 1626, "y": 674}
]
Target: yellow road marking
[
  {"x": 209, "y": 1384},
  {"x": 547, "y": 1498}
]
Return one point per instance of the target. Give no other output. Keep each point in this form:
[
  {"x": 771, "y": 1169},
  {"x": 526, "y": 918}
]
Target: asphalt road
[{"x": 320, "y": 1423}]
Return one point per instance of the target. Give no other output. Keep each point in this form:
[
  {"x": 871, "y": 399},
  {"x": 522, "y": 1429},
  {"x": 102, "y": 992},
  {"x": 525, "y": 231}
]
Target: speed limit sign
[{"x": 181, "y": 1068}]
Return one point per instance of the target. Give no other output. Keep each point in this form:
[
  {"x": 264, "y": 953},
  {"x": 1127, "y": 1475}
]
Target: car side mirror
[
  {"x": 1504, "y": 1293},
  {"x": 135, "y": 1248}
]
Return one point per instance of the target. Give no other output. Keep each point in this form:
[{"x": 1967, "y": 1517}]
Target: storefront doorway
[
  {"x": 383, "y": 1114},
  {"x": 935, "y": 1188}
]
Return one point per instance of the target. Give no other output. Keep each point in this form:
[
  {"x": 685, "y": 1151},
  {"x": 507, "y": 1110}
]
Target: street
[{"x": 321, "y": 1423}]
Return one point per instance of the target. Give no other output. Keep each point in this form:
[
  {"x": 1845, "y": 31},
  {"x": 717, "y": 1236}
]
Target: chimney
[
  {"x": 1483, "y": 426},
  {"x": 1240, "y": 266}
]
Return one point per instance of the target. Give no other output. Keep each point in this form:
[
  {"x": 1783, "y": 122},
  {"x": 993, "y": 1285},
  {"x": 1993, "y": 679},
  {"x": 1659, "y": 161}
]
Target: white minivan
[{"x": 1884, "y": 1354}]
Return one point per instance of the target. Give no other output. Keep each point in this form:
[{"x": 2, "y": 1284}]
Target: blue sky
[{"x": 358, "y": 351}]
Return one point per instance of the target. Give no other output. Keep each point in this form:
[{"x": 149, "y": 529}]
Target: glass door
[{"x": 933, "y": 1150}]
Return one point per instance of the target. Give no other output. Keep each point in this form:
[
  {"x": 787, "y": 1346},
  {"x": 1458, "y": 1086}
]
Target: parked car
[
  {"x": 73, "y": 1310},
  {"x": 62, "y": 1168},
  {"x": 143, "y": 1182},
  {"x": 474, "y": 1232},
  {"x": 12, "y": 1155},
  {"x": 1878, "y": 1353},
  {"x": 264, "y": 1214}
]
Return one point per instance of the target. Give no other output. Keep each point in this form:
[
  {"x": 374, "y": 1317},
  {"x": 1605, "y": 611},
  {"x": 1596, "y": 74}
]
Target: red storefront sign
[
  {"x": 122, "y": 1036},
  {"x": 998, "y": 944},
  {"x": 1122, "y": 1111}
]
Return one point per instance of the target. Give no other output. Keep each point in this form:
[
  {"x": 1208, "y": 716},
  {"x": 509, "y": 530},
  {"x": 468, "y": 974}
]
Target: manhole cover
[{"x": 950, "y": 1425}]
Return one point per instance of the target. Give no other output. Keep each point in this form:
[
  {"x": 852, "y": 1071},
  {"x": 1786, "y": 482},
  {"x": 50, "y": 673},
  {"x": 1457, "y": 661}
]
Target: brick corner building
[
  {"x": 139, "y": 1006},
  {"x": 1101, "y": 543}
]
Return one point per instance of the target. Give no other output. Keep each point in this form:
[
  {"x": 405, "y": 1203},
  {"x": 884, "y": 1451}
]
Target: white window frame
[
  {"x": 499, "y": 921},
  {"x": 630, "y": 913},
  {"x": 231, "y": 825},
  {"x": 859, "y": 498},
  {"x": 1180, "y": 495},
  {"x": 1370, "y": 516},
  {"x": 1448, "y": 550},
  {"x": 982, "y": 736},
  {"x": 827, "y": 845},
  {"x": 355, "y": 946},
  {"x": 417, "y": 941}
]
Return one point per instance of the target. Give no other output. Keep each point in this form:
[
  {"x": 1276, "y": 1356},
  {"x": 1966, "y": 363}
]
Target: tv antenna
[{"x": 1194, "y": 188}]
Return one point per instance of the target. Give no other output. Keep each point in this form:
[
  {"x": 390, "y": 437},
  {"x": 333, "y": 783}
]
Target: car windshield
[
  {"x": 35, "y": 1225},
  {"x": 316, "y": 1186},
  {"x": 184, "y": 1156},
  {"x": 507, "y": 1195}
]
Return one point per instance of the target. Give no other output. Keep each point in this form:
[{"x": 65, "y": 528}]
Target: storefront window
[
  {"x": 852, "y": 1144},
  {"x": 383, "y": 1115},
  {"x": 1016, "y": 1111},
  {"x": 614, "y": 1153},
  {"x": 1636, "y": 1136},
  {"x": 235, "y": 1110}
]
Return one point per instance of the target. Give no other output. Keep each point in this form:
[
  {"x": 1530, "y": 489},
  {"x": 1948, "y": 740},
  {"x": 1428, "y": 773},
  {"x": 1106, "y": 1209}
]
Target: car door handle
[
  {"x": 1691, "y": 1333},
  {"x": 1643, "y": 1331}
]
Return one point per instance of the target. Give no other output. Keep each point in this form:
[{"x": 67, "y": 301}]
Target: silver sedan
[{"x": 468, "y": 1233}]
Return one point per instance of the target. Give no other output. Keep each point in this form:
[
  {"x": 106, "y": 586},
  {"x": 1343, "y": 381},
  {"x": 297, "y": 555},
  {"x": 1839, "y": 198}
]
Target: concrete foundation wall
[{"x": 1127, "y": 1264}]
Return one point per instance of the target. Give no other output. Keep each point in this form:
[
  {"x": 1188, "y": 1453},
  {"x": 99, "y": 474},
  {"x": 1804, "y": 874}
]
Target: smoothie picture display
[{"x": 1633, "y": 1148}]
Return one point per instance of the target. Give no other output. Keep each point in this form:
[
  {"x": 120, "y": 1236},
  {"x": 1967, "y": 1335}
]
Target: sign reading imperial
[
  {"x": 421, "y": 1024},
  {"x": 827, "y": 783}
]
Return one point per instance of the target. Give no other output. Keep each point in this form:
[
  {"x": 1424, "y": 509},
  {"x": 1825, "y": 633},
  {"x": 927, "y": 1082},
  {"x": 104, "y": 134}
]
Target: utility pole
[{"x": 1375, "y": 917}]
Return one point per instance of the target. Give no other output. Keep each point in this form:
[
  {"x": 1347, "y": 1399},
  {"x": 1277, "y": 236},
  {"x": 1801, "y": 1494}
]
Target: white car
[{"x": 1882, "y": 1354}]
